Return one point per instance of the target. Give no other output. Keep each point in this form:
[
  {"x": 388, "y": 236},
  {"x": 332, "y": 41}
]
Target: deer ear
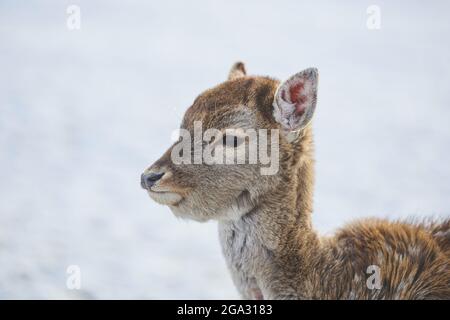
[
  {"x": 295, "y": 100},
  {"x": 237, "y": 71}
]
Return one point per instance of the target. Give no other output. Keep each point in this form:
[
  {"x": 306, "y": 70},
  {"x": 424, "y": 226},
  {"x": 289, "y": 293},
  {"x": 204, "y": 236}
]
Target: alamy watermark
[
  {"x": 73, "y": 21},
  {"x": 373, "y": 17},
  {"x": 228, "y": 147},
  {"x": 73, "y": 281},
  {"x": 374, "y": 280}
]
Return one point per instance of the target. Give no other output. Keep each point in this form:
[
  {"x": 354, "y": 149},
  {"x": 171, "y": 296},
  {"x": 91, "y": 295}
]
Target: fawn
[{"x": 265, "y": 229}]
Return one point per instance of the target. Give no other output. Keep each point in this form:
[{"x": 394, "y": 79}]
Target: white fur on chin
[{"x": 165, "y": 198}]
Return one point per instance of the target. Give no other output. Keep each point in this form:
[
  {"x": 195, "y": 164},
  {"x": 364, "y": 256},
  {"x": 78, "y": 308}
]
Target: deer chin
[
  {"x": 165, "y": 197},
  {"x": 189, "y": 209}
]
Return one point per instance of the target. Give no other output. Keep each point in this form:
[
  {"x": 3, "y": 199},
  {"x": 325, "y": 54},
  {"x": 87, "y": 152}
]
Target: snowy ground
[{"x": 82, "y": 113}]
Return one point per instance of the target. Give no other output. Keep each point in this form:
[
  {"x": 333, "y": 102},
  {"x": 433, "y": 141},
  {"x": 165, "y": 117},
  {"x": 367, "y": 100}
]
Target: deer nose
[{"x": 149, "y": 179}]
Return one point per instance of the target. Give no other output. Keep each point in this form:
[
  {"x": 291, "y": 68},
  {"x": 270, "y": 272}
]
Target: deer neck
[{"x": 276, "y": 234}]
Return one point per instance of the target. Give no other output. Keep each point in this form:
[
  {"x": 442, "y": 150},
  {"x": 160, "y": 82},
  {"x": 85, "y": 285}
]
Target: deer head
[{"x": 229, "y": 116}]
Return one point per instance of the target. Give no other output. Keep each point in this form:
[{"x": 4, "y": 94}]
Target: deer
[{"x": 265, "y": 220}]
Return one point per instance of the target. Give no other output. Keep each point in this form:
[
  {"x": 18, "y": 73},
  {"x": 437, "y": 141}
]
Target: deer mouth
[{"x": 167, "y": 198}]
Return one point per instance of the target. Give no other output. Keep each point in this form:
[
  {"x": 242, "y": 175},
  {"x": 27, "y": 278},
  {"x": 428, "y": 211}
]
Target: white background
[{"x": 82, "y": 113}]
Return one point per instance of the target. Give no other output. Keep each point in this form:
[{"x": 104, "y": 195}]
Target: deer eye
[{"x": 231, "y": 141}]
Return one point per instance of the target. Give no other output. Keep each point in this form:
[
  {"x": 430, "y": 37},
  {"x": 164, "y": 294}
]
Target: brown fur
[{"x": 273, "y": 249}]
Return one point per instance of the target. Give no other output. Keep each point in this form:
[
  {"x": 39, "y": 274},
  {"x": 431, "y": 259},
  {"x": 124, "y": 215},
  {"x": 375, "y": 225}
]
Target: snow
[{"x": 82, "y": 113}]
